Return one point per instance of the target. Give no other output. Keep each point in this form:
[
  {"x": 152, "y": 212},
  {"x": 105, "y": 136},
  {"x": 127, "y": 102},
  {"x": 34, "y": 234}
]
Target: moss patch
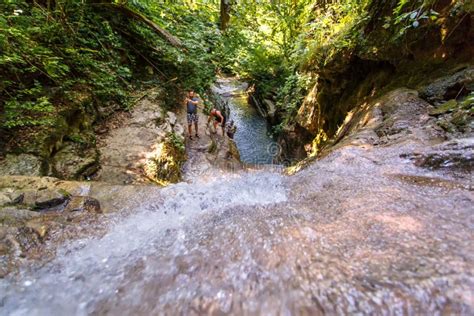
[{"x": 164, "y": 167}]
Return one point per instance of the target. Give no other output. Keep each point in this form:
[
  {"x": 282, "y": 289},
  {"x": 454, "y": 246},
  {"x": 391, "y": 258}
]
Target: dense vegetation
[
  {"x": 60, "y": 58},
  {"x": 290, "y": 44},
  {"x": 84, "y": 55}
]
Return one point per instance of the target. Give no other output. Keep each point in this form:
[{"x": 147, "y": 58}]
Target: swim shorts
[{"x": 193, "y": 117}]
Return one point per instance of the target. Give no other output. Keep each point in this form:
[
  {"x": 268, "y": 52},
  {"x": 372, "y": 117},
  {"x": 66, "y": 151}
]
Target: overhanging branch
[{"x": 164, "y": 34}]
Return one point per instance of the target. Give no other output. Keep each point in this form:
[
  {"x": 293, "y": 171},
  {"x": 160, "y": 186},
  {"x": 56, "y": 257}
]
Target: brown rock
[
  {"x": 4, "y": 249},
  {"x": 83, "y": 203},
  {"x": 41, "y": 229}
]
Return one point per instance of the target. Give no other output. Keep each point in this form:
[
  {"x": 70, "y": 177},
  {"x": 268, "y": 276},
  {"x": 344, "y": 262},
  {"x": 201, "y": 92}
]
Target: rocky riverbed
[{"x": 375, "y": 225}]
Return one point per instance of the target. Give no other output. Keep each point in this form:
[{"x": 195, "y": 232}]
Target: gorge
[{"x": 347, "y": 188}]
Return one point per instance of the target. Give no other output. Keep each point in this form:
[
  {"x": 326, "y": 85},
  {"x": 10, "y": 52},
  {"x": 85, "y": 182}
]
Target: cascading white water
[
  {"x": 87, "y": 271},
  {"x": 362, "y": 230}
]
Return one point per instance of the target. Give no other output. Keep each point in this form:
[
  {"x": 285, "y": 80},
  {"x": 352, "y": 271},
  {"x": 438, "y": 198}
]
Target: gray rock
[
  {"x": 171, "y": 118},
  {"x": 13, "y": 214},
  {"x": 107, "y": 109},
  {"x": 455, "y": 155},
  {"x": 178, "y": 129},
  {"x": 270, "y": 107},
  {"x": 38, "y": 189},
  {"x": 73, "y": 162},
  {"x": 19, "y": 199},
  {"x": 23, "y": 164},
  {"x": 6, "y": 196},
  {"x": 166, "y": 127},
  {"x": 10, "y": 196},
  {"x": 447, "y": 88}
]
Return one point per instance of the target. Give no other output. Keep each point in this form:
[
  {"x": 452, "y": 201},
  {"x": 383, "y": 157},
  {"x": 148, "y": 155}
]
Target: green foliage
[
  {"x": 332, "y": 29},
  {"x": 28, "y": 108},
  {"x": 28, "y": 113},
  {"x": 405, "y": 18},
  {"x": 291, "y": 94},
  {"x": 48, "y": 53},
  {"x": 50, "y": 50},
  {"x": 177, "y": 142},
  {"x": 290, "y": 97},
  {"x": 468, "y": 103},
  {"x": 261, "y": 39},
  {"x": 197, "y": 28}
]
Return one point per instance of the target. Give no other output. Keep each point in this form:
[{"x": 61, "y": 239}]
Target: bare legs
[
  {"x": 215, "y": 127},
  {"x": 190, "y": 129}
]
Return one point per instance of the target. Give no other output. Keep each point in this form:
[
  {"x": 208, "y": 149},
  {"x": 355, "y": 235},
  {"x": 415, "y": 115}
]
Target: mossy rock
[
  {"x": 460, "y": 119},
  {"x": 446, "y": 107},
  {"x": 75, "y": 162},
  {"x": 468, "y": 103},
  {"x": 23, "y": 164},
  {"x": 447, "y": 126},
  {"x": 212, "y": 147},
  {"x": 165, "y": 166}
]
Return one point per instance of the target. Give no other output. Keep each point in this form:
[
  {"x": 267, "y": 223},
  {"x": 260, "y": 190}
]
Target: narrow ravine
[
  {"x": 258, "y": 242},
  {"x": 253, "y": 136},
  {"x": 347, "y": 188}
]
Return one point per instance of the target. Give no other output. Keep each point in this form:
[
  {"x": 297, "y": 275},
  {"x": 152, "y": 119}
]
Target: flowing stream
[
  {"x": 362, "y": 230},
  {"x": 253, "y": 138}
]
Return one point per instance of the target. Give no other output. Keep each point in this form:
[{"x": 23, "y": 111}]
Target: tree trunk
[
  {"x": 164, "y": 34},
  {"x": 225, "y": 14}
]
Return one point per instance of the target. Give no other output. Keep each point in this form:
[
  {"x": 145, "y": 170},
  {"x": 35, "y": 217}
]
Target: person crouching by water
[
  {"x": 219, "y": 118},
  {"x": 230, "y": 129},
  {"x": 191, "y": 106}
]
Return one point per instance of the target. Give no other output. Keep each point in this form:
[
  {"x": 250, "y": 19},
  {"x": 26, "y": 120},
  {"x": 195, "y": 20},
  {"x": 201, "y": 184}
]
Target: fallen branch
[{"x": 164, "y": 34}]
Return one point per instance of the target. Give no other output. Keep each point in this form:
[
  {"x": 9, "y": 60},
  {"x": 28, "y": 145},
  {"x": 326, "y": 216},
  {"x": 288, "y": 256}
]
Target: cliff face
[{"x": 433, "y": 58}]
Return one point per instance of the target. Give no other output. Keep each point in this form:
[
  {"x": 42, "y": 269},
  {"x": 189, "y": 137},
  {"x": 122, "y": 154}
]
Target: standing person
[
  {"x": 192, "y": 116},
  {"x": 219, "y": 118}
]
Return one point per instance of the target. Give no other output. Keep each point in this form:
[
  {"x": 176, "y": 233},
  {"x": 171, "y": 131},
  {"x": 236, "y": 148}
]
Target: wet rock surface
[
  {"x": 211, "y": 154},
  {"x": 452, "y": 155},
  {"x": 364, "y": 229},
  {"x": 35, "y": 211},
  {"x": 83, "y": 204}
]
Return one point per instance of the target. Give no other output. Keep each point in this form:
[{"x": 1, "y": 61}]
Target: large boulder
[
  {"x": 74, "y": 162},
  {"x": 12, "y": 215},
  {"x": 450, "y": 87},
  {"x": 454, "y": 155},
  {"x": 23, "y": 164},
  {"x": 38, "y": 192}
]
